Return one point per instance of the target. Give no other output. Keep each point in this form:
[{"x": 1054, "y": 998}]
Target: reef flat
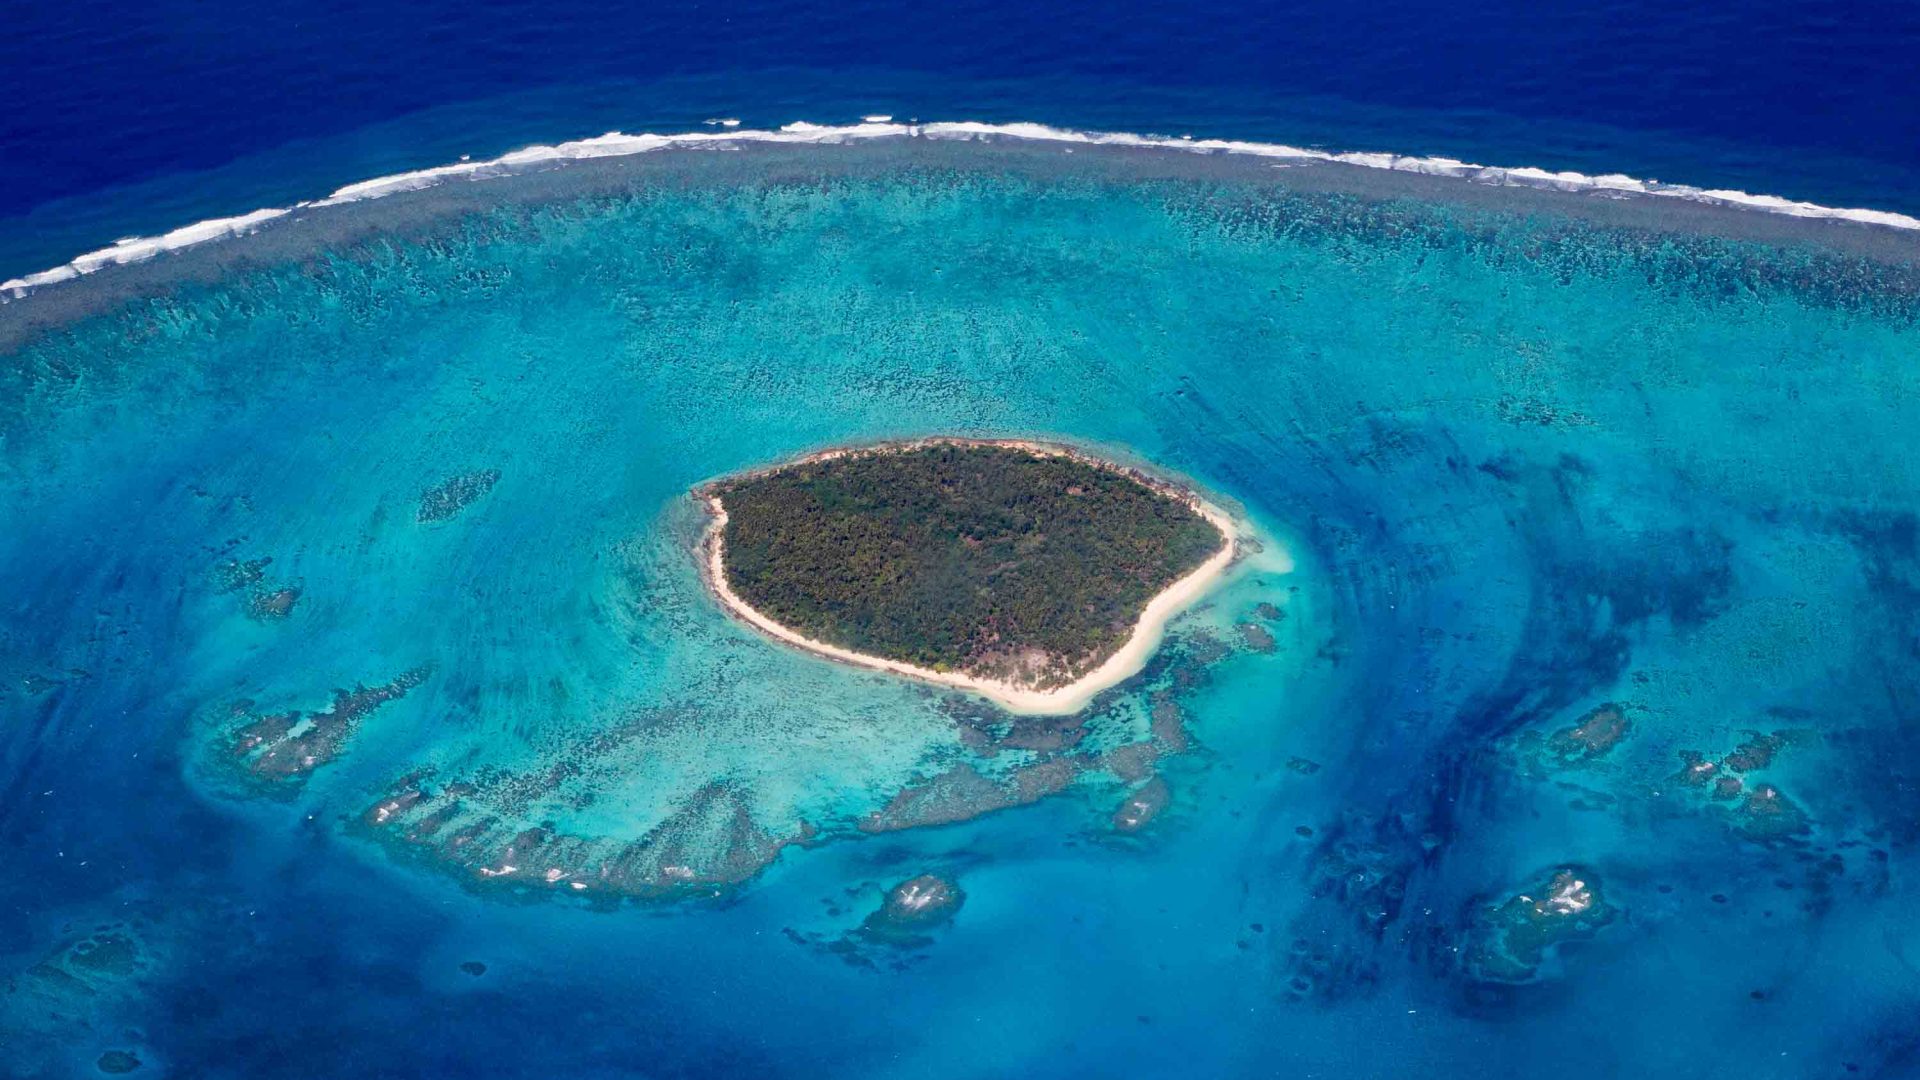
[{"x": 1035, "y": 574}]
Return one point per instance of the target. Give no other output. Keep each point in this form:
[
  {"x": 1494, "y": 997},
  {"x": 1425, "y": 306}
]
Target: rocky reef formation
[
  {"x": 1596, "y": 734},
  {"x": 706, "y": 844},
  {"x": 964, "y": 792},
  {"x": 264, "y": 601},
  {"x": 1511, "y": 941},
  {"x": 285, "y": 748},
  {"x": 117, "y": 1062},
  {"x": 234, "y": 575},
  {"x": 445, "y": 500},
  {"x": 912, "y": 908},
  {"x": 1056, "y": 756},
  {"x": 91, "y": 972},
  {"x": 892, "y": 936},
  {"x": 1257, "y": 637},
  {"x": 1588, "y": 740},
  {"x": 1257, "y": 633},
  {"x": 1142, "y": 805},
  {"x": 489, "y": 829},
  {"x": 1755, "y": 809},
  {"x": 273, "y": 603}
]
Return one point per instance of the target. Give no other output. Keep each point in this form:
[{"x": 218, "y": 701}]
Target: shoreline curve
[{"x": 1148, "y": 630}]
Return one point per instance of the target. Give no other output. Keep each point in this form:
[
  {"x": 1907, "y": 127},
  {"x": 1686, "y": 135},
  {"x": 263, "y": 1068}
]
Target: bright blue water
[
  {"x": 1524, "y": 469},
  {"x": 1523, "y": 473},
  {"x": 127, "y": 119}
]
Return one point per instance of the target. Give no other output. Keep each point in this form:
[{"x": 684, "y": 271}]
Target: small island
[{"x": 1033, "y": 574}]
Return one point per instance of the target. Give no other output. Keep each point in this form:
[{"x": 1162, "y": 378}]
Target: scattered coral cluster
[
  {"x": 477, "y": 826},
  {"x": 75, "y": 991},
  {"x": 445, "y": 500},
  {"x": 1509, "y": 941},
  {"x": 264, "y": 600},
  {"x": 288, "y": 746},
  {"x": 709, "y": 842},
  {"x": 1756, "y": 809}
]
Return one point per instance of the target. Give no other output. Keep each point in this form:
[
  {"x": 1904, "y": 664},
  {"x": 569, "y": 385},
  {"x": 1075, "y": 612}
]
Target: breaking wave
[{"x": 618, "y": 144}]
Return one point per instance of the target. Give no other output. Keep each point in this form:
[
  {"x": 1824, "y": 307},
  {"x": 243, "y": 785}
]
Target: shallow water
[{"x": 1507, "y": 470}]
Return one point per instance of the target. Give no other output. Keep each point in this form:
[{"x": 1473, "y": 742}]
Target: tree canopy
[{"x": 984, "y": 559}]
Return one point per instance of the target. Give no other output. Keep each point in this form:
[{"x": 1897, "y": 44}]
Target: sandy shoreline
[{"x": 1124, "y": 663}]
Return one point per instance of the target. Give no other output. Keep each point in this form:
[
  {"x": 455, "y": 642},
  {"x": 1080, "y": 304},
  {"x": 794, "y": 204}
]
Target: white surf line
[
  {"x": 617, "y": 144},
  {"x": 1148, "y": 629}
]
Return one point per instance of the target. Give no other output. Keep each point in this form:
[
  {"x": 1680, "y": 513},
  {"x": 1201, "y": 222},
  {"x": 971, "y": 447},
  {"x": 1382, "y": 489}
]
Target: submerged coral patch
[
  {"x": 708, "y": 843},
  {"x": 286, "y": 747},
  {"x": 118, "y": 1062},
  {"x": 914, "y": 907},
  {"x": 1511, "y": 940},
  {"x": 448, "y": 498}
]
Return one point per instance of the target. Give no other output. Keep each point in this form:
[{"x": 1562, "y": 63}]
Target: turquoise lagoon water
[{"x": 1505, "y": 469}]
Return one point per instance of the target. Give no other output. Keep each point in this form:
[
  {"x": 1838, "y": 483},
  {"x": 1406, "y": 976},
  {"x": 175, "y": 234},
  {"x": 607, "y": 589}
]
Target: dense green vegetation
[{"x": 988, "y": 560}]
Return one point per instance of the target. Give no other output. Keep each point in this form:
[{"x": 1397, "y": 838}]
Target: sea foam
[{"x": 619, "y": 144}]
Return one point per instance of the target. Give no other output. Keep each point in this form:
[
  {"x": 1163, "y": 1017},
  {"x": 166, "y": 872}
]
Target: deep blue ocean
[
  {"x": 364, "y": 713},
  {"x": 125, "y": 119}
]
